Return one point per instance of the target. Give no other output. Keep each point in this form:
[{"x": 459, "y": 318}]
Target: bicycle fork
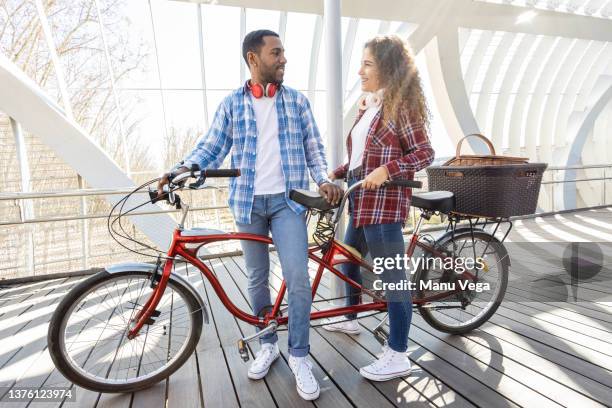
[{"x": 242, "y": 343}]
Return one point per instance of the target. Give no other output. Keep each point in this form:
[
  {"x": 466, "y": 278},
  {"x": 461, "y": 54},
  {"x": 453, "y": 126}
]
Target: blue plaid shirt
[{"x": 233, "y": 128}]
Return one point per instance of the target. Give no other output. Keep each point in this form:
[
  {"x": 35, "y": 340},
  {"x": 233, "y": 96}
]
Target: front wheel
[
  {"x": 453, "y": 309},
  {"x": 88, "y": 332}
]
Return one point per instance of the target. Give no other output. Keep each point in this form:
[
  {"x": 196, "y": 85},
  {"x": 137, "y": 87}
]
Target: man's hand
[
  {"x": 165, "y": 179},
  {"x": 376, "y": 178},
  {"x": 331, "y": 175},
  {"x": 331, "y": 192}
]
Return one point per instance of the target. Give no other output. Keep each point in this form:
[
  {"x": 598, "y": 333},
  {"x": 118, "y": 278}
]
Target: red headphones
[{"x": 258, "y": 91}]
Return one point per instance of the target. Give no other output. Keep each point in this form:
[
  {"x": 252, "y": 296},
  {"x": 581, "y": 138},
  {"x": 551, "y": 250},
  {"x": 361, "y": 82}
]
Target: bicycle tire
[
  {"x": 433, "y": 318},
  {"x": 67, "y": 365}
]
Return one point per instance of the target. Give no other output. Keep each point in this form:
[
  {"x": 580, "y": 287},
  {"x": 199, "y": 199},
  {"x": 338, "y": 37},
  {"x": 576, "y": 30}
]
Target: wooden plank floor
[{"x": 532, "y": 353}]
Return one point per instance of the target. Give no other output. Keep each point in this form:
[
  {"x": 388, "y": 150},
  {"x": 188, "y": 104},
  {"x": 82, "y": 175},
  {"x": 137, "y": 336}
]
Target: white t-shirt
[
  {"x": 269, "y": 178},
  {"x": 359, "y": 135}
]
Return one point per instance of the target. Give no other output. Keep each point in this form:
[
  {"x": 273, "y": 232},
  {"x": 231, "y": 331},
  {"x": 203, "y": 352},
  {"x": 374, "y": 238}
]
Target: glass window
[
  {"x": 184, "y": 110},
  {"x": 131, "y": 45},
  {"x": 76, "y": 35},
  {"x": 20, "y": 42},
  {"x": 176, "y": 30},
  {"x": 144, "y": 123},
  {"x": 222, "y": 46},
  {"x": 298, "y": 49},
  {"x": 366, "y": 30},
  {"x": 258, "y": 19}
]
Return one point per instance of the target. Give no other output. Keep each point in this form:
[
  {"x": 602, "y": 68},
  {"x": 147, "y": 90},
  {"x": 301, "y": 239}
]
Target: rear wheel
[
  {"x": 88, "y": 332},
  {"x": 468, "y": 308}
]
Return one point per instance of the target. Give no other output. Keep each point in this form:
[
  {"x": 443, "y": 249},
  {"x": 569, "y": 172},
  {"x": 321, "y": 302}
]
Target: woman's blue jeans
[{"x": 381, "y": 240}]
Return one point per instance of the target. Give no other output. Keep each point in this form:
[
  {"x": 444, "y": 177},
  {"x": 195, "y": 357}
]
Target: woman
[{"x": 387, "y": 142}]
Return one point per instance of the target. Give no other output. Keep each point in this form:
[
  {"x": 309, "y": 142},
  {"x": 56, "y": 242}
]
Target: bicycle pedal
[
  {"x": 156, "y": 313},
  {"x": 381, "y": 335},
  {"x": 242, "y": 350},
  {"x": 150, "y": 321}
]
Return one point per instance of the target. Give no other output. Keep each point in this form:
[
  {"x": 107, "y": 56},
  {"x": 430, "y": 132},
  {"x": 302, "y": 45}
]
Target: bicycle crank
[
  {"x": 380, "y": 334},
  {"x": 242, "y": 343}
]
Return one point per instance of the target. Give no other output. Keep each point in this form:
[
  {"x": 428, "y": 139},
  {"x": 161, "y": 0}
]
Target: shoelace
[
  {"x": 384, "y": 360},
  {"x": 262, "y": 351},
  {"x": 298, "y": 369}
]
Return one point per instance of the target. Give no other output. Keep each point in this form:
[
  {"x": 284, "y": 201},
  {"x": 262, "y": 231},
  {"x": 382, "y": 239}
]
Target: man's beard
[{"x": 270, "y": 77}]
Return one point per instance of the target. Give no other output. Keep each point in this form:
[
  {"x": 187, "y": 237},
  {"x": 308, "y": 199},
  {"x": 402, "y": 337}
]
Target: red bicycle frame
[{"x": 335, "y": 255}]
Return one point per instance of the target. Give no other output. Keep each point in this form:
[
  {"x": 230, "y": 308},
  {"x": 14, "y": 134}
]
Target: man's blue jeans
[
  {"x": 271, "y": 213},
  {"x": 381, "y": 240}
]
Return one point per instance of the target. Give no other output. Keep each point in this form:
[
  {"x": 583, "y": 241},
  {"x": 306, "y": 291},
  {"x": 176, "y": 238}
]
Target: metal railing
[{"x": 20, "y": 199}]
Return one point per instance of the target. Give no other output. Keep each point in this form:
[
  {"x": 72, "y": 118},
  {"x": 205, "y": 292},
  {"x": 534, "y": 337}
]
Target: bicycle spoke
[{"x": 96, "y": 340}]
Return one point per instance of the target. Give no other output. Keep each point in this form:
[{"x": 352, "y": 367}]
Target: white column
[
  {"x": 27, "y": 210},
  {"x": 333, "y": 37},
  {"x": 202, "y": 66}
]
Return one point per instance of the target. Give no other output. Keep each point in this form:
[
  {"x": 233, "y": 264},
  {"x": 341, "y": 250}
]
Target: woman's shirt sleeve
[{"x": 418, "y": 152}]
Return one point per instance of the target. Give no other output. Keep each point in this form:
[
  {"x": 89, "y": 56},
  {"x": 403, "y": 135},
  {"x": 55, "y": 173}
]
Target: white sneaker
[
  {"x": 391, "y": 364},
  {"x": 263, "y": 360},
  {"x": 306, "y": 384},
  {"x": 340, "y": 324}
]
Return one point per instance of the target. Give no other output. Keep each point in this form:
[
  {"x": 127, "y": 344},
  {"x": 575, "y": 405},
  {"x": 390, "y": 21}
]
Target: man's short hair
[{"x": 253, "y": 42}]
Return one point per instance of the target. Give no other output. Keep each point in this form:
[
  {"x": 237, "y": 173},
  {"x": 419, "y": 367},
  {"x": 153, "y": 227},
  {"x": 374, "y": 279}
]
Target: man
[{"x": 271, "y": 133}]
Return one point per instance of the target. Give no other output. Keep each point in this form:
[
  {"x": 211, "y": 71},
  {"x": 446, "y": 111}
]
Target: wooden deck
[{"x": 532, "y": 354}]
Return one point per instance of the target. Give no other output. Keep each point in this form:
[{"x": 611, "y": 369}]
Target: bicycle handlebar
[
  {"x": 200, "y": 175},
  {"x": 204, "y": 174},
  {"x": 178, "y": 181},
  {"x": 405, "y": 183}
]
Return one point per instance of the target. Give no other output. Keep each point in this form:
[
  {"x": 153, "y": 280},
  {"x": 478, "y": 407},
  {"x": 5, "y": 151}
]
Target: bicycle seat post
[
  {"x": 425, "y": 215},
  {"x": 184, "y": 211}
]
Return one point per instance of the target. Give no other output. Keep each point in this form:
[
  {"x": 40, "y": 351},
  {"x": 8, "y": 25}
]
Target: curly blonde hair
[{"x": 399, "y": 76}]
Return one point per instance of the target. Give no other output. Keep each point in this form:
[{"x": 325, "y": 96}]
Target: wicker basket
[
  {"x": 481, "y": 160},
  {"x": 490, "y": 191}
]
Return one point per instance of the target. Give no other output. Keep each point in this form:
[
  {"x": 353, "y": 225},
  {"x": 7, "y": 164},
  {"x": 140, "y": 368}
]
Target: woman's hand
[
  {"x": 331, "y": 175},
  {"x": 376, "y": 178}
]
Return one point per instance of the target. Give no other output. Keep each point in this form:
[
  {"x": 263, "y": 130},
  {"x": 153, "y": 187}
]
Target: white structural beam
[
  {"x": 333, "y": 48},
  {"x": 551, "y": 104},
  {"x": 526, "y": 82},
  {"x": 451, "y": 91},
  {"x": 26, "y": 207},
  {"x": 243, "y": 67},
  {"x": 314, "y": 60},
  {"x": 200, "y": 12},
  {"x": 592, "y": 53},
  {"x": 475, "y": 62},
  {"x": 501, "y": 112},
  {"x": 59, "y": 71},
  {"x": 282, "y": 25},
  {"x": 597, "y": 69},
  {"x": 548, "y": 69},
  {"x": 347, "y": 49},
  {"x": 437, "y": 78},
  {"x": 491, "y": 74},
  {"x": 27, "y": 103},
  {"x": 581, "y": 123},
  {"x": 463, "y": 13}
]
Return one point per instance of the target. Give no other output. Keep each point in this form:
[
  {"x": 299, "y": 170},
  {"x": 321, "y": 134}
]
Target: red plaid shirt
[{"x": 403, "y": 150}]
